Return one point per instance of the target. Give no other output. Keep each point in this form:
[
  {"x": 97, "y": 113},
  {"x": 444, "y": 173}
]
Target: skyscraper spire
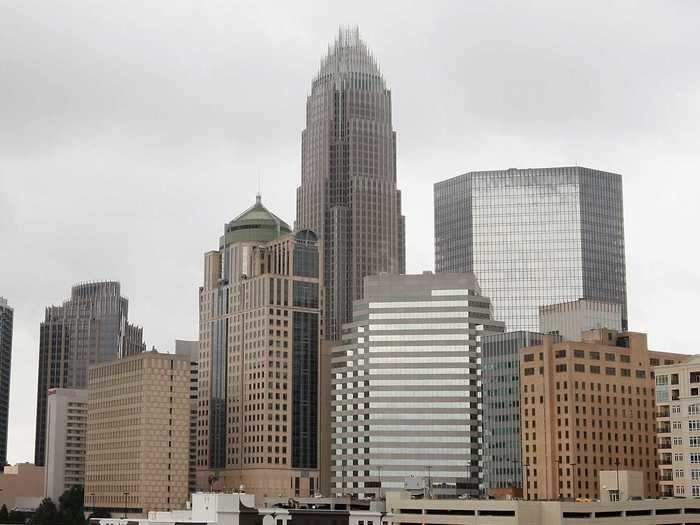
[{"x": 348, "y": 182}]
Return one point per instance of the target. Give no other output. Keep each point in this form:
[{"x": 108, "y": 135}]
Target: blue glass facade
[{"x": 534, "y": 237}]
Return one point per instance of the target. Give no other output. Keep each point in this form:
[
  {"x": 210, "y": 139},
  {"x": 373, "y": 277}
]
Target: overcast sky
[{"x": 131, "y": 131}]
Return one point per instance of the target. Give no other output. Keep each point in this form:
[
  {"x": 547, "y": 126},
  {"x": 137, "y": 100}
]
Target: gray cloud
[{"x": 130, "y": 133}]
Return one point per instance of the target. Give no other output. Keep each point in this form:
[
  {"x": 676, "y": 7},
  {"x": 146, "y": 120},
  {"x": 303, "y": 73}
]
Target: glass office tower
[
  {"x": 6, "y": 316},
  {"x": 534, "y": 237},
  {"x": 500, "y": 376}
]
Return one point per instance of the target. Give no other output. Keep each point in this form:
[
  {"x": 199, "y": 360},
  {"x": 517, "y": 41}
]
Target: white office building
[{"x": 65, "y": 440}]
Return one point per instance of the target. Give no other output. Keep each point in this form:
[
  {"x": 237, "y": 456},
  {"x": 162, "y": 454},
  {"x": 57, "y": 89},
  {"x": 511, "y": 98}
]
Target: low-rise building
[
  {"x": 66, "y": 419},
  {"x": 138, "y": 434},
  {"x": 240, "y": 509},
  {"x": 21, "y": 486},
  {"x": 678, "y": 428},
  {"x": 407, "y": 511}
]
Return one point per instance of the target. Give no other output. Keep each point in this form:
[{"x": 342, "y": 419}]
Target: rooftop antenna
[{"x": 258, "y": 195}]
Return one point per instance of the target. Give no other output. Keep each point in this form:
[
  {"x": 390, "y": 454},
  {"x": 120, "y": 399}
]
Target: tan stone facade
[
  {"x": 261, "y": 325},
  {"x": 588, "y": 406},
  {"x": 21, "y": 486},
  {"x": 138, "y": 433}
]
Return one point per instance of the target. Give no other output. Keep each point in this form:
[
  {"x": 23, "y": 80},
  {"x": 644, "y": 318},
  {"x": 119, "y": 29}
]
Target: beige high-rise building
[
  {"x": 138, "y": 434},
  {"x": 190, "y": 350},
  {"x": 260, "y": 332},
  {"x": 588, "y": 406},
  {"x": 66, "y": 419},
  {"x": 678, "y": 428}
]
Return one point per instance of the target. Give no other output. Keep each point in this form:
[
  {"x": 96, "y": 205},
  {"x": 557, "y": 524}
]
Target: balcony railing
[
  {"x": 664, "y": 427},
  {"x": 663, "y": 412},
  {"x": 665, "y": 460}
]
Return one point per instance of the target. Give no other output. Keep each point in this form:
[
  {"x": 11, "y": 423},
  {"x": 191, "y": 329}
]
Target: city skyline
[{"x": 156, "y": 208}]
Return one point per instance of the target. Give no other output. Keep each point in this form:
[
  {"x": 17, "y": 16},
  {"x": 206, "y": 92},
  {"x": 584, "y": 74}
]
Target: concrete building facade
[
  {"x": 407, "y": 511},
  {"x": 500, "y": 376},
  {"x": 534, "y": 237},
  {"x": 138, "y": 434},
  {"x": 571, "y": 319},
  {"x": 21, "y": 486},
  {"x": 90, "y": 327},
  {"x": 406, "y": 386},
  {"x": 190, "y": 350},
  {"x": 261, "y": 327},
  {"x": 6, "y": 318},
  {"x": 588, "y": 406},
  {"x": 66, "y": 425},
  {"x": 678, "y": 428},
  {"x": 348, "y": 193}
]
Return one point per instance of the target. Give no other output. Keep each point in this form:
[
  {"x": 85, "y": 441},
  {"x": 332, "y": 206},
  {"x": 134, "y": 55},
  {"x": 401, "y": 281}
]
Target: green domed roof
[{"x": 257, "y": 223}]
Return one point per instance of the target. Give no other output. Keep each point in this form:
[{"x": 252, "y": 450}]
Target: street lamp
[
  {"x": 380, "y": 481},
  {"x": 126, "y": 495}
]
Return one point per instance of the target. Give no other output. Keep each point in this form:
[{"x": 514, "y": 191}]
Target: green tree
[
  {"x": 71, "y": 509},
  {"x": 4, "y": 515},
  {"x": 17, "y": 516},
  {"x": 46, "y": 514}
]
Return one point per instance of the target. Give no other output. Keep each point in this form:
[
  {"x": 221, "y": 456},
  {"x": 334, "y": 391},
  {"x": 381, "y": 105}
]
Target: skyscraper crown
[{"x": 349, "y": 59}]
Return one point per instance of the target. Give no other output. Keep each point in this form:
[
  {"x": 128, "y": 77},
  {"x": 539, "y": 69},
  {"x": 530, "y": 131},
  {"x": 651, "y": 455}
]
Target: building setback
[
  {"x": 500, "y": 376},
  {"x": 348, "y": 192},
  {"x": 6, "y": 317},
  {"x": 571, "y": 319},
  {"x": 190, "y": 350},
  {"x": 678, "y": 430},
  {"x": 261, "y": 326},
  {"x": 588, "y": 406},
  {"x": 66, "y": 422},
  {"x": 138, "y": 434},
  {"x": 406, "y": 397},
  {"x": 90, "y": 327},
  {"x": 534, "y": 237}
]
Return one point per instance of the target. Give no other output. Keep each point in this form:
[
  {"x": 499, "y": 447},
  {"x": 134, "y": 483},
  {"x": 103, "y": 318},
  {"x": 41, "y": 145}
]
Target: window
[
  {"x": 625, "y": 358},
  {"x": 678, "y": 473},
  {"x": 695, "y": 490},
  {"x": 695, "y": 474},
  {"x": 609, "y": 371},
  {"x": 695, "y": 377},
  {"x": 676, "y": 409},
  {"x": 578, "y": 367},
  {"x": 679, "y": 441},
  {"x": 678, "y": 456},
  {"x": 595, "y": 369},
  {"x": 529, "y": 357},
  {"x": 625, "y": 372},
  {"x": 693, "y": 425},
  {"x": 561, "y": 368},
  {"x": 679, "y": 490},
  {"x": 560, "y": 353},
  {"x": 610, "y": 357},
  {"x": 661, "y": 380},
  {"x": 579, "y": 353},
  {"x": 594, "y": 355},
  {"x": 694, "y": 441}
]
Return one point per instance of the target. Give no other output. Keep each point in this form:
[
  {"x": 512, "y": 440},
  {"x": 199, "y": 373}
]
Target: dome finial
[{"x": 258, "y": 198}]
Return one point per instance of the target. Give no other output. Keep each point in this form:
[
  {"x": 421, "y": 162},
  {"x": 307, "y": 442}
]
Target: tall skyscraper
[
  {"x": 348, "y": 192},
  {"x": 534, "y": 237},
  {"x": 90, "y": 327},
  {"x": 6, "y": 316},
  {"x": 260, "y": 330},
  {"x": 406, "y": 390}
]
